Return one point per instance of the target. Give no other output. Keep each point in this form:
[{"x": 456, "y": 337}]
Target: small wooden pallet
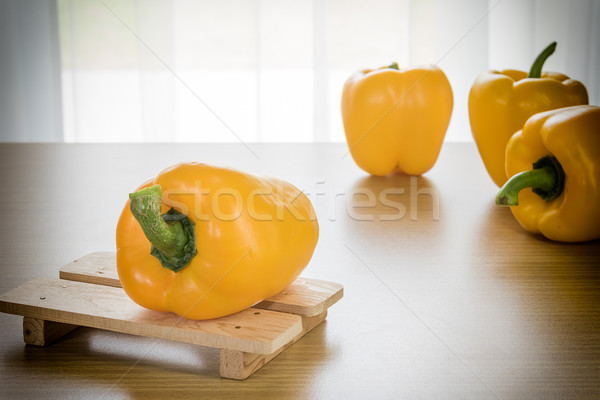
[{"x": 89, "y": 293}]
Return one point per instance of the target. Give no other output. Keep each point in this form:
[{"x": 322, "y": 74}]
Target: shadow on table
[
  {"x": 94, "y": 363},
  {"x": 395, "y": 197}
]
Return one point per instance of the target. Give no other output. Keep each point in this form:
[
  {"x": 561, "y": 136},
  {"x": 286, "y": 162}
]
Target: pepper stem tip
[
  {"x": 536, "y": 68},
  {"x": 394, "y": 65}
]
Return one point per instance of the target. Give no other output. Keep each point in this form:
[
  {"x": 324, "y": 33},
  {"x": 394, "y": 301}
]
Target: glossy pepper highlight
[
  {"x": 557, "y": 155},
  {"x": 395, "y": 120},
  {"x": 501, "y": 102},
  {"x": 206, "y": 242}
]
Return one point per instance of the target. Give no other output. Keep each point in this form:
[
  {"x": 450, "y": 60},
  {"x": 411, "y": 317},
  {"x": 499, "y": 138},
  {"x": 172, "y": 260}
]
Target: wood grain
[
  {"x": 99, "y": 268},
  {"x": 307, "y": 297},
  {"x": 109, "y": 308},
  {"x": 240, "y": 365},
  {"x": 39, "y": 332},
  {"x": 445, "y": 295}
]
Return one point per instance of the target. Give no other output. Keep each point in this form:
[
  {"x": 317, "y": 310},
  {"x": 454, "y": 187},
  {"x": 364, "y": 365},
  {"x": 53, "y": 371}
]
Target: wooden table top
[{"x": 445, "y": 295}]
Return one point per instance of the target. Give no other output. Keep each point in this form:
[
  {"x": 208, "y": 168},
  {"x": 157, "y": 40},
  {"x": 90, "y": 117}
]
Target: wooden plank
[
  {"x": 305, "y": 296},
  {"x": 99, "y": 268},
  {"x": 239, "y": 365},
  {"x": 38, "y": 332},
  {"x": 104, "y": 307}
]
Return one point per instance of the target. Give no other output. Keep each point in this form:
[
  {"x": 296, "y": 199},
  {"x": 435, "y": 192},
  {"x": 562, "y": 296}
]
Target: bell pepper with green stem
[
  {"x": 206, "y": 242},
  {"x": 501, "y": 102},
  {"x": 554, "y": 165}
]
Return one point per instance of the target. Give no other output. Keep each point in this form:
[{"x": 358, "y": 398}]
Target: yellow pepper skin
[
  {"x": 395, "y": 120},
  {"x": 501, "y": 101},
  {"x": 252, "y": 237},
  {"x": 565, "y": 208}
]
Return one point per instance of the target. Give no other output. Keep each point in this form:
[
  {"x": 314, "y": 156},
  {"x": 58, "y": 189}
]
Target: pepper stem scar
[{"x": 171, "y": 235}]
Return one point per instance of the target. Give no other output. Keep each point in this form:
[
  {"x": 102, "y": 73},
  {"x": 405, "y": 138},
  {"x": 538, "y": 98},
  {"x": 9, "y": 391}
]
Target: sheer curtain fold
[{"x": 273, "y": 70}]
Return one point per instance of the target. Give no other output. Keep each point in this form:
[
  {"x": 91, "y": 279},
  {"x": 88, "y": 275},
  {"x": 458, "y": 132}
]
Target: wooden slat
[
  {"x": 104, "y": 307},
  {"x": 306, "y": 297},
  {"x": 240, "y": 365},
  {"x": 99, "y": 268}
]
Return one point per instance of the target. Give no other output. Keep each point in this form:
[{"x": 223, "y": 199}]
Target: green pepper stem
[
  {"x": 172, "y": 240},
  {"x": 394, "y": 65},
  {"x": 547, "y": 180},
  {"x": 536, "y": 68}
]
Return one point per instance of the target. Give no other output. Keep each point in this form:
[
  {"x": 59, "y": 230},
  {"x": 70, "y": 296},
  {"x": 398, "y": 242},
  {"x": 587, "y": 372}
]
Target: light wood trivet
[{"x": 89, "y": 294}]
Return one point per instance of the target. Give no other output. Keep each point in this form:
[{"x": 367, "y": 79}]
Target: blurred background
[{"x": 257, "y": 70}]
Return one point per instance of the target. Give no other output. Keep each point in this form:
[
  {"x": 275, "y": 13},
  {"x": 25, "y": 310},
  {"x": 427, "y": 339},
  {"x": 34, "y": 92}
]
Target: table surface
[{"x": 445, "y": 295}]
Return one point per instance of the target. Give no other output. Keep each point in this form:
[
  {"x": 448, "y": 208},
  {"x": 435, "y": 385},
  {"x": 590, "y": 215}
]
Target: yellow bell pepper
[
  {"x": 395, "y": 120},
  {"x": 563, "y": 148},
  {"x": 206, "y": 242},
  {"x": 501, "y": 102}
]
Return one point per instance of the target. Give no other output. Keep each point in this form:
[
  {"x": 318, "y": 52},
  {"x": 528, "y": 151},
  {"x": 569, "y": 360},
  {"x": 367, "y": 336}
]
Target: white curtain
[
  {"x": 273, "y": 70},
  {"x": 30, "y": 73}
]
